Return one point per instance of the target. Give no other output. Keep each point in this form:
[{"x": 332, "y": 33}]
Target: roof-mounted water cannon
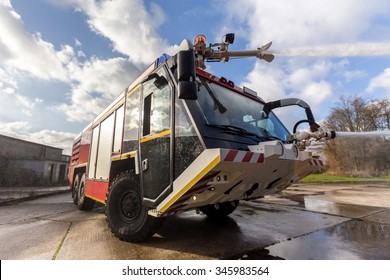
[{"x": 219, "y": 52}]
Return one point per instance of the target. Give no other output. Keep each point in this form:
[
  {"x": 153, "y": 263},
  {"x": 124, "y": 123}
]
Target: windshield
[{"x": 236, "y": 114}]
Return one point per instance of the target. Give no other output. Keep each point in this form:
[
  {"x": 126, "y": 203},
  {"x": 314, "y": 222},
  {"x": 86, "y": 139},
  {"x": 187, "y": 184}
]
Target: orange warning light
[{"x": 200, "y": 38}]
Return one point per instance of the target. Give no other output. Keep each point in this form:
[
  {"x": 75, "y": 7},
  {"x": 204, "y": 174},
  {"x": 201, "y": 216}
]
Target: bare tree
[{"x": 359, "y": 156}]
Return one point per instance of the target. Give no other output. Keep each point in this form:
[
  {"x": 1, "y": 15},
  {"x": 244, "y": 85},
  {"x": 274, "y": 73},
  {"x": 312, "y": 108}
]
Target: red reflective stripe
[
  {"x": 231, "y": 155},
  {"x": 241, "y": 156},
  {"x": 261, "y": 158},
  {"x": 248, "y": 156},
  {"x": 316, "y": 162}
]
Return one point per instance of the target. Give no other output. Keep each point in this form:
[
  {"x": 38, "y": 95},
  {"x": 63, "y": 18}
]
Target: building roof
[{"x": 21, "y": 149}]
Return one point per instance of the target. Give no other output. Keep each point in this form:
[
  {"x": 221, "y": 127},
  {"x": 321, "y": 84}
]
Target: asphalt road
[{"x": 303, "y": 222}]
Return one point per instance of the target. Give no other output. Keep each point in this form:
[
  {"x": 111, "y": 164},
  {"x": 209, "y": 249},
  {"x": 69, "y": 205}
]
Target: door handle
[{"x": 145, "y": 164}]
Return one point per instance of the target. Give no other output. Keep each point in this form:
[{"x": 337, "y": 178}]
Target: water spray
[
  {"x": 305, "y": 139},
  {"x": 340, "y": 134},
  {"x": 340, "y": 50}
]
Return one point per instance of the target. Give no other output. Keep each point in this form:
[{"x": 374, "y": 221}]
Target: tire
[
  {"x": 220, "y": 210},
  {"x": 126, "y": 214},
  {"x": 75, "y": 189},
  {"x": 83, "y": 202}
]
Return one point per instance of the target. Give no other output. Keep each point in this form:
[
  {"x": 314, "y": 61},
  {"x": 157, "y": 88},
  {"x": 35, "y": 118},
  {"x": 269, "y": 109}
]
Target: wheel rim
[
  {"x": 130, "y": 206},
  {"x": 81, "y": 192}
]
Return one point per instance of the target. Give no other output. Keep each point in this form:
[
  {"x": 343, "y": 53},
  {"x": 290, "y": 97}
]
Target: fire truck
[{"x": 179, "y": 138}]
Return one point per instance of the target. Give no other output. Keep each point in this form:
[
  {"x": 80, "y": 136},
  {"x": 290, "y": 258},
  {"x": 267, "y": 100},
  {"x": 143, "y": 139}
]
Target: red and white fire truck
[{"x": 179, "y": 138}]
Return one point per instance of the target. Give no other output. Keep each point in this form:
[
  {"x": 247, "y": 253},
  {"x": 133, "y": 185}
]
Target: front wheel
[
  {"x": 219, "y": 210},
  {"x": 127, "y": 216}
]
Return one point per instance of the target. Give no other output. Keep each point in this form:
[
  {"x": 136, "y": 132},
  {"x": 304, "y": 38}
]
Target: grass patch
[{"x": 327, "y": 178}]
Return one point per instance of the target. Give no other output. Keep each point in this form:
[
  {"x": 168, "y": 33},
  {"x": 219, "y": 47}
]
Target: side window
[
  {"x": 132, "y": 115},
  {"x": 104, "y": 148},
  {"x": 157, "y": 107},
  {"x": 147, "y": 114},
  {"x": 116, "y": 148},
  {"x": 94, "y": 147}
]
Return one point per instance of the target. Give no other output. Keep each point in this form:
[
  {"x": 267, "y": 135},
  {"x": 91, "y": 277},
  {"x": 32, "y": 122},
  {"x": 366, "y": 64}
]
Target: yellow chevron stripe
[{"x": 200, "y": 175}]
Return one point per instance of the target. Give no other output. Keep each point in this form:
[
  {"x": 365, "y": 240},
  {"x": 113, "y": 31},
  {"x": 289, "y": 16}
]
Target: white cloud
[
  {"x": 10, "y": 128},
  {"x": 58, "y": 139},
  {"x": 303, "y": 23},
  {"x": 304, "y": 81},
  {"x": 382, "y": 81},
  {"x": 316, "y": 92},
  {"x": 131, "y": 28},
  {"x": 27, "y": 102},
  {"x": 354, "y": 74},
  {"x": 96, "y": 84},
  {"x": 318, "y": 29},
  {"x": 302, "y": 76},
  {"x": 267, "y": 81},
  {"x": 106, "y": 76},
  {"x": 77, "y": 43},
  {"x": 22, "y": 130},
  {"x": 24, "y": 51},
  {"x": 8, "y": 83}
]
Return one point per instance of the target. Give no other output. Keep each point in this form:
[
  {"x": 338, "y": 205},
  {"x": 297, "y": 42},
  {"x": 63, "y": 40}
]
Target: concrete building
[{"x": 45, "y": 163}]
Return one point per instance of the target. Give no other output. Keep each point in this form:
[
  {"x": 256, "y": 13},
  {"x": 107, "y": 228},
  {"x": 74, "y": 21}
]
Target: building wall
[
  {"x": 20, "y": 149},
  {"x": 46, "y": 162}
]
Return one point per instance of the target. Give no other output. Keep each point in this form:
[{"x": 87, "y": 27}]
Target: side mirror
[
  {"x": 186, "y": 74},
  {"x": 160, "y": 81}
]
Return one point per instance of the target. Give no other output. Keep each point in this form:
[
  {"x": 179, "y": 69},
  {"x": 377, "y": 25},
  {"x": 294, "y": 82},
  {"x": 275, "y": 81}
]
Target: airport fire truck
[{"x": 179, "y": 138}]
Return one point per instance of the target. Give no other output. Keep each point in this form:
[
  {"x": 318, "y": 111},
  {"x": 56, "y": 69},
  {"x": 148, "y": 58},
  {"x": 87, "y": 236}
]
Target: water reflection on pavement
[{"x": 366, "y": 235}]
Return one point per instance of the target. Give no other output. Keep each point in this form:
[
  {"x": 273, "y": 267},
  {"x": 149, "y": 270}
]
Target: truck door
[{"x": 155, "y": 138}]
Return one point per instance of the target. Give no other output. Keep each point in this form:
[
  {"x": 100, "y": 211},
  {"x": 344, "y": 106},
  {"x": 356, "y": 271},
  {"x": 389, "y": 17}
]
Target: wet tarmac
[
  {"x": 365, "y": 236},
  {"x": 337, "y": 222},
  {"x": 351, "y": 240}
]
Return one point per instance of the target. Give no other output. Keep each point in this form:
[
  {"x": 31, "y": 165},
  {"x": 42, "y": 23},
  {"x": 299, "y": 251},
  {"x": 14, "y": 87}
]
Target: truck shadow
[{"x": 200, "y": 237}]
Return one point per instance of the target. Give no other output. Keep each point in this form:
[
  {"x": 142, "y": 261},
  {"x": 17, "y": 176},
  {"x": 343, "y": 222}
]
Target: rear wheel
[
  {"x": 127, "y": 216},
  {"x": 219, "y": 210},
  {"x": 83, "y": 202},
  {"x": 75, "y": 189}
]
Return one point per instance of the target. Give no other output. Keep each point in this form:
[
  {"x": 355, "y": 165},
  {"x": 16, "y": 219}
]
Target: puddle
[
  {"x": 288, "y": 200},
  {"x": 258, "y": 254},
  {"x": 314, "y": 204},
  {"x": 321, "y": 203},
  {"x": 352, "y": 240},
  {"x": 259, "y": 205}
]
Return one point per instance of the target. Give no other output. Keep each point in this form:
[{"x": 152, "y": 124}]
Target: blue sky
[{"x": 63, "y": 62}]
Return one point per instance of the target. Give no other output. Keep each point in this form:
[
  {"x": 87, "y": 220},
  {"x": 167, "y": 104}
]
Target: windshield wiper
[
  {"x": 270, "y": 138},
  {"x": 236, "y": 130},
  {"x": 217, "y": 104}
]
